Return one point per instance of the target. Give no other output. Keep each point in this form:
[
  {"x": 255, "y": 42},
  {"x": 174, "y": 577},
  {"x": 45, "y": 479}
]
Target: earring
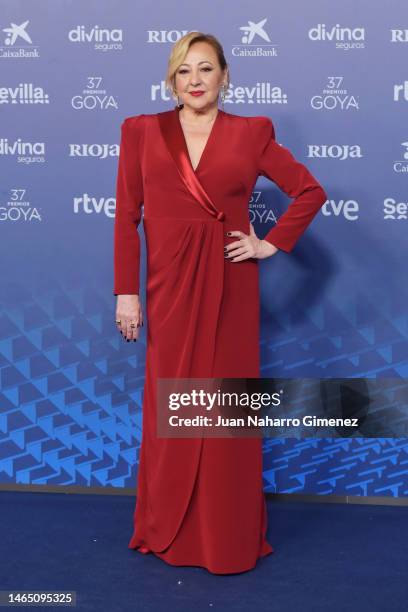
[
  {"x": 175, "y": 95},
  {"x": 222, "y": 96}
]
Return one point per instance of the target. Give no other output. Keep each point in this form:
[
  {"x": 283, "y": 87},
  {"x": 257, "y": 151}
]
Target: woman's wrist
[{"x": 267, "y": 249}]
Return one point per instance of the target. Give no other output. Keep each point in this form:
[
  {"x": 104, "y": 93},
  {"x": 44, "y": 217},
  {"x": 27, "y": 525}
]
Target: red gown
[{"x": 200, "y": 501}]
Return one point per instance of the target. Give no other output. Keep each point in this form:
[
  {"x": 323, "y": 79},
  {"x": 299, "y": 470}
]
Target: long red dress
[{"x": 200, "y": 501}]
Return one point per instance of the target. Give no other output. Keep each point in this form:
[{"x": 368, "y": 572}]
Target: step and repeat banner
[{"x": 334, "y": 80}]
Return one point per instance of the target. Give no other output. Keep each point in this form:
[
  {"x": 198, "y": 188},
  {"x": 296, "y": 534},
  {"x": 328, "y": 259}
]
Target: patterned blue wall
[{"x": 71, "y": 389}]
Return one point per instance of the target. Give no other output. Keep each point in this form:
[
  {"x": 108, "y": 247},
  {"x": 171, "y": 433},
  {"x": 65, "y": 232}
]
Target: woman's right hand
[{"x": 129, "y": 311}]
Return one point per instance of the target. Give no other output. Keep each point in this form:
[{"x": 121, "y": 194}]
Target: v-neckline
[{"x": 208, "y": 142}]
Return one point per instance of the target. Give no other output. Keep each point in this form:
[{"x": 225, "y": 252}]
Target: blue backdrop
[{"x": 334, "y": 80}]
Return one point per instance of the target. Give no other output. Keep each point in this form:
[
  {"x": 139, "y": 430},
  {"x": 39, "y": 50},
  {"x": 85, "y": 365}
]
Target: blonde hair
[{"x": 179, "y": 52}]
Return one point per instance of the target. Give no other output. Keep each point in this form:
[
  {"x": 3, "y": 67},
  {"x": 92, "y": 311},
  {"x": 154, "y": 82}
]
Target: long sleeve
[
  {"x": 279, "y": 165},
  {"x": 129, "y": 199}
]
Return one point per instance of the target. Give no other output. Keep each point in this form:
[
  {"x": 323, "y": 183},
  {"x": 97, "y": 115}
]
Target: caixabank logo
[
  {"x": 17, "y": 42},
  {"x": 255, "y": 41},
  {"x": 400, "y": 166}
]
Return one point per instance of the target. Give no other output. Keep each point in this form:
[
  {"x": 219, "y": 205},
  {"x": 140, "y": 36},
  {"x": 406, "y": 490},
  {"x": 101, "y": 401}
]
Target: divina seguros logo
[
  {"x": 342, "y": 37},
  {"x": 100, "y": 39},
  {"x": 23, "y": 152}
]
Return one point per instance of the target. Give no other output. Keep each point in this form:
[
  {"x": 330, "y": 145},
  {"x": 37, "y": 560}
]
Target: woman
[{"x": 200, "y": 501}]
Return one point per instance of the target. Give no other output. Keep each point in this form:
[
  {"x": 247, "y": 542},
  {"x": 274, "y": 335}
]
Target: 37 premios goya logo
[
  {"x": 18, "y": 208},
  {"x": 94, "y": 97},
  {"x": 335, "y": 97}
]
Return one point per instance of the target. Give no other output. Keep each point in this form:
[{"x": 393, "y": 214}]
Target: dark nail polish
[
  {"x": 225, "y": 248},
  {"x": 228, "y": 233},
  {"x": 127, "y": 340},
  {"x": 134, "y": 339}
]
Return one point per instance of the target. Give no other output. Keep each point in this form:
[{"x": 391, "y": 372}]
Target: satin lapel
[{"x": 174, "y": 138}]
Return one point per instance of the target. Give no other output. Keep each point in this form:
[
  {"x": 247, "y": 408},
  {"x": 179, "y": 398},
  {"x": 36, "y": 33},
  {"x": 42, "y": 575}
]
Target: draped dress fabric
[{"x": 200, "y": 501}]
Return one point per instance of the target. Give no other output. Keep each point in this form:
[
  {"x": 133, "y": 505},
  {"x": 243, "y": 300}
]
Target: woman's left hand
[{"x": 248, "y": 246}]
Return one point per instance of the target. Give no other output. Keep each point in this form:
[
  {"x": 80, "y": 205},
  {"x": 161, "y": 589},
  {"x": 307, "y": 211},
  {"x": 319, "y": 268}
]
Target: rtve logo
[
  {"x": 343, "y": 208},
  {"x": 401, "y": 92},
  {"x": 90, "y": 204}
]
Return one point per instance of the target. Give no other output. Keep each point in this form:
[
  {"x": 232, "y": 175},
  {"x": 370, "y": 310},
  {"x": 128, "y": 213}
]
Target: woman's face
[{"x": 199, "y": 72}]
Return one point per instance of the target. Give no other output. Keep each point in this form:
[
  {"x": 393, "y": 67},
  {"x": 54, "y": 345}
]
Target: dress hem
[{"x": 143, "y": 549}]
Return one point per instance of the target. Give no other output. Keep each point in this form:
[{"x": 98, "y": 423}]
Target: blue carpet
[{"x": 328, "y": 557}]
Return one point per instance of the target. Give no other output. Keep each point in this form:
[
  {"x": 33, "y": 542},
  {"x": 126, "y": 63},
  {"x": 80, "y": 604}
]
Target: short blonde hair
[{"x": 179, "y": 52}]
